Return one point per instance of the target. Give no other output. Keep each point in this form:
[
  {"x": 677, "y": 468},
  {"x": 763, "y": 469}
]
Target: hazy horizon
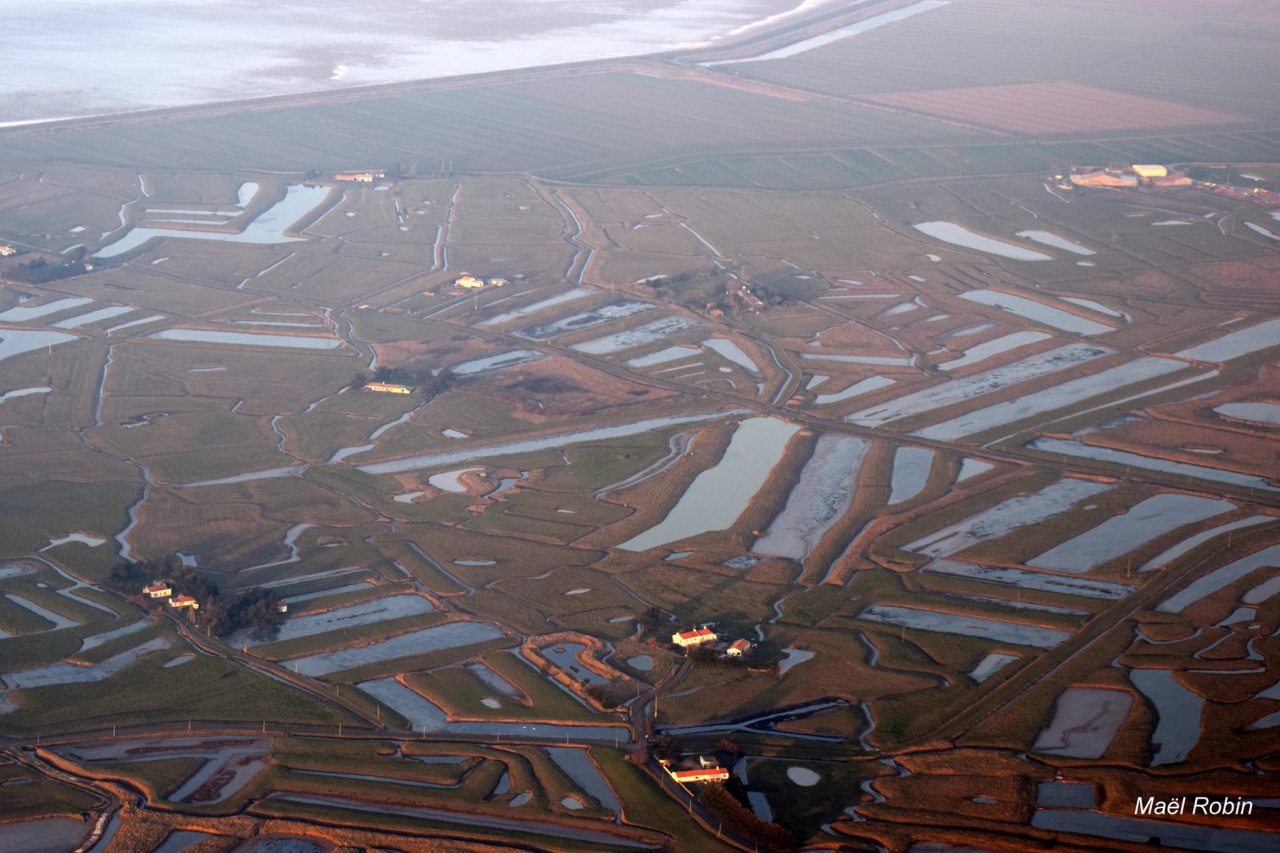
[{"x": 62, "y": 62}]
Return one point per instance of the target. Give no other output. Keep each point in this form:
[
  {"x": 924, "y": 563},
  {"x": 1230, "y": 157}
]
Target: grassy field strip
[
  {"x": 354, "y": 615},
  {"x": 1151, "y": 519},
  {"x": 59, "y": 621},
  {"x": 447, "y": 636},
  {"x": 1010, "y": 515},
  {"x": 969, "y": 626},
  {"x": 473, "y": 819},
  {"x": 98, "y": 639},
  {"x": 821, "y": 498},
  {"x": 1127, "y": 459},
  {"x": 978, "y": 385},
  {"x": 1053, "y": 398},
  {"x": 1192, "y": 542},
  {"x": 1031, "y": 580},
  {"x": 717, "y": 496},
  {"x": 1219, "y": 578},
  {"x": 69, "y": 673},
  {"x": 453, "y": 457},
  {"x": 425, "y": 716}
]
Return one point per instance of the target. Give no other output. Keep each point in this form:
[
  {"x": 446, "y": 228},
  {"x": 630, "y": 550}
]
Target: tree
[
  {"x": 770, "y": 836},
  {"x": 703, "y": 654},
  {"x": 127, "y": 578},
  {"x": 39, "y": 271},
  {"x": 668, "y": 748},
  {"x": 257, "y": 610},
  {"x": 651, "y": 619},
  {"x": 598, "y": 693}
]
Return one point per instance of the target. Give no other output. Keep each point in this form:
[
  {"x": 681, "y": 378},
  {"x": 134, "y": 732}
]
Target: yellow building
[
  {"x": 1150, "y": 171},
  {"x": 685, "y": 639},
  {"x": 387, "y": 388},
  {"x": 701, "y": 774},
  {"x": 1104, "y": 179},
  {"x": 468, "y": 280}
]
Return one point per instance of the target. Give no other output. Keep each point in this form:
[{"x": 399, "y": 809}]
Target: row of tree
[
  {"x": 224, "y": 613},
  {"x": 423, "y": 380},
  {"x": 769, "y": 836},
  {"x": 40, "y": 271}
]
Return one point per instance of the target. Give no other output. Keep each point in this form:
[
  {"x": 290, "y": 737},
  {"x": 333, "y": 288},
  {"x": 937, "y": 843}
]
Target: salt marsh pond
[
  {"x": 720, "y": 494},
  {"x": 958, "y": 235},
  {"x": 969, "y": 626},
  {"x": 822, "y": 496},
  {"x": 451, "y": 635},
  {"x": 265, "y": 230}
]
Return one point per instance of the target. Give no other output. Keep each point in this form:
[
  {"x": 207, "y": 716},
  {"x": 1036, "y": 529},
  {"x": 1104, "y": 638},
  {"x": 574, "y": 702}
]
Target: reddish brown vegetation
[{"x": 1053, "y": 108}]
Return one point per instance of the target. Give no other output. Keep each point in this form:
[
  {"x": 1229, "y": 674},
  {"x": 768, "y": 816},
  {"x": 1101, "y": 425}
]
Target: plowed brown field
[{"x": 1052, "y": 108}]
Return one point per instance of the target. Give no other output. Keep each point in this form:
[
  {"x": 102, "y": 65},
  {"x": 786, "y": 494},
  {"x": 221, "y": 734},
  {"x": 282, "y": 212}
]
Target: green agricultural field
[
  {"x": 509, "y": 127},
  {"x": 806, "y": 808},
  {"x": 159, "y": 777},
  {"x": 773, "y": 206},
  {"x": 375, "y": 758},
  {"x": 459, "y": 691},
  {"x": 850, "y": 168},
  {"x": 29, "y": 795},
  {"x": 35, "y": 516},
  {"x": 149, "y": 694}
]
